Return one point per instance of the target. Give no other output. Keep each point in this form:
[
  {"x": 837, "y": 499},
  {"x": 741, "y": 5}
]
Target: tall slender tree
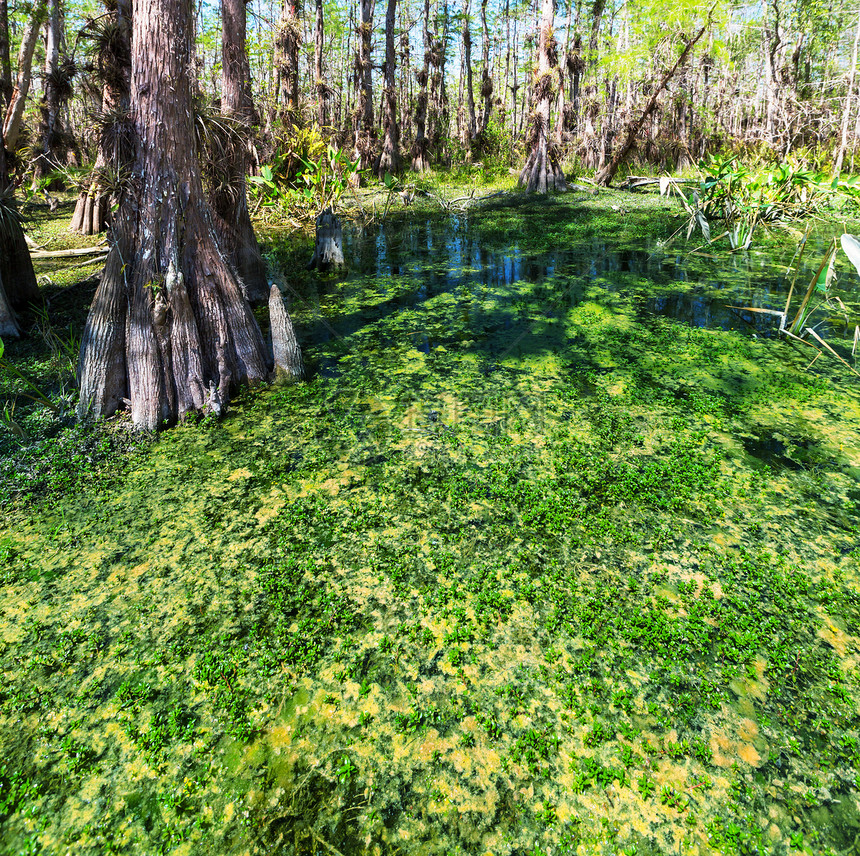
[
  {"x": 169, "y": 330},
  {"x": 542, "y": 171},
  {"x": 420, "y": 148},
  {"x": 56, "y": 91},
  {"x": 321, "y": 87},
  {"x": 288, "y": 40},
  {"x": 364, "y": 130},
  {"x": 111, "y": 38},
  {"x": 17, "y": 102},
  {"x": 486, "y": 75},
  {"x": 5, "y": 59},
  {"x": 467, "y": 101},
  {"x": 389, "y": 158},
  {"x": 229, "y": 196}
]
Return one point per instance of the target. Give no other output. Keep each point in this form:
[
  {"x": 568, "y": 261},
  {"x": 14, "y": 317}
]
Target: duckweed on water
[{"x": 526, "y": 567}]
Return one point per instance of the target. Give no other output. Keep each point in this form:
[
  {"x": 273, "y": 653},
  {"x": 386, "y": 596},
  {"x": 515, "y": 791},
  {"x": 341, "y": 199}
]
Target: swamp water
[{"x": 553, "y": 554}]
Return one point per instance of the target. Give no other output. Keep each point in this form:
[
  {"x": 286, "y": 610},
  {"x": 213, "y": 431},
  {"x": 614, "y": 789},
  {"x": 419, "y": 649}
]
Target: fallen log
[{"x": 67, "y": 254}]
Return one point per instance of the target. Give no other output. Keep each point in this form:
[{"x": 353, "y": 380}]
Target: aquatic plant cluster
[{"x": 526, "y": 567}]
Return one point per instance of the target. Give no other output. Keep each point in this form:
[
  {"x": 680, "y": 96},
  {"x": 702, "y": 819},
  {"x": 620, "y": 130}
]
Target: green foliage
[
  {"x": 741, "y": 196},
  {"x": 306, "y": 174}
]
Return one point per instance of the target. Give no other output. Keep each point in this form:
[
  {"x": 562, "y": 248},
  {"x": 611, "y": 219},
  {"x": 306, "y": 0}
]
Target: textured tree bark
[
  {"x": 389, "y": 158},
  {"x": 772, "y": 56},
  {"x": 328, "y": 248},
  {"x": 15, "y": 111},
  {"x": 230, "y": 199},
  {"x": 289, "y": 366},
  {"x": 542, "y": 171},
  {"x": 169, "y": 329},
  {"x": 441, "y": 117}
]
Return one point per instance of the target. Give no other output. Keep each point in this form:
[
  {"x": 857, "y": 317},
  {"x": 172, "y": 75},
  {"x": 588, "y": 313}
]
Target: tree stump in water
[
  {"x": 328, "y": 250},
  {"x": 289, "y": 366}
]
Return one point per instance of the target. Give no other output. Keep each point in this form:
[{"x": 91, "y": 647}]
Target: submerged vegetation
[{"x": 554, "y": 553}]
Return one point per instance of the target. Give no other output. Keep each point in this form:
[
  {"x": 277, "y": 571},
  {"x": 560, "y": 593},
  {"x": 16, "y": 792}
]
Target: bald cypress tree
[{"x": 169, "y": 331}]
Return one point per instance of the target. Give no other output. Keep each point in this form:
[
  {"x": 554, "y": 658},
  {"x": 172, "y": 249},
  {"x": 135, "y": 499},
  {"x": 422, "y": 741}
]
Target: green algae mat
[{"x": 553, "y": 553}]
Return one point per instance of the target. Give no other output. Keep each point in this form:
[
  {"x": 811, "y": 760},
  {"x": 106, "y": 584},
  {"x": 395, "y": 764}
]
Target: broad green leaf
[
  {"x": 2, "y": 348},
  {"x": 826, "y": 275}
]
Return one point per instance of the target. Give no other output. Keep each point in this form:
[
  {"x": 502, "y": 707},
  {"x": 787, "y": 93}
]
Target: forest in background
[{"x": 442, "y": 83}]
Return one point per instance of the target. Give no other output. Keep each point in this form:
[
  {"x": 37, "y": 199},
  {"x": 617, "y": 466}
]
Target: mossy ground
[{"x": 524, "y": 567}]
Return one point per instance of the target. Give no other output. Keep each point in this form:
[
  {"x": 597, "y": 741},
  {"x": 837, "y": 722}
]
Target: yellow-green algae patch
[{"x": 574, "y": 584}]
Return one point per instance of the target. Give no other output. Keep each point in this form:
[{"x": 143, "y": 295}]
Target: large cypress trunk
[
  {"x": 230, "y": 198},
  {"x": 169, "y": 330}
]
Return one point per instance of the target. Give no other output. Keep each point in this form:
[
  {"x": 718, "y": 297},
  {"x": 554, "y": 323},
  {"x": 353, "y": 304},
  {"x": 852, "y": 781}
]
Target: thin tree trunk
[
  {"x": 364, "y": 127},
  {"x": 15, "y": 111},
  {"x": 443, "y": 118},
  {"x": 50, "y": 106},
  {"x": 169, "y": 330},
  {"x": 469, "y": 125},
  {"x": 486, "y": 76},
  {"x": 5, "y": 60},
  {"x": 389, "y": 158},
  {"x": 230, "y": 200},
  {"x": 114, "y": 67},
  {"x": 323, "y": 90},
  {"x": 846, "y": 113},
  {"x": 288, "y": 39},
  {"x": 606, "y": 174},
  {"x": 562, "y": 73},
  {"x": 772, "y": 45},
  {"x": 420, "y": 160}
]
